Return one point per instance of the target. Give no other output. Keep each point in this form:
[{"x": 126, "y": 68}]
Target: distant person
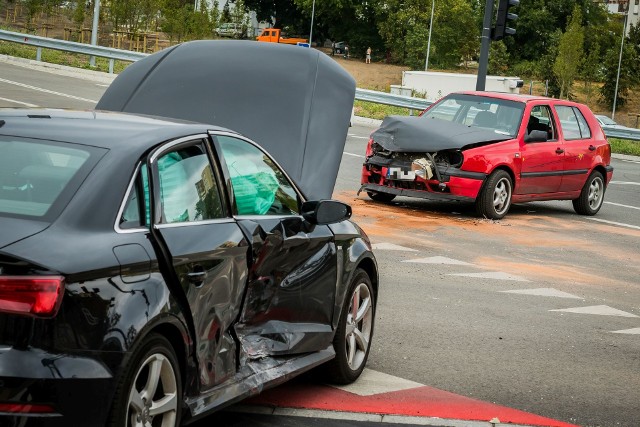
[
  {"x": 346, "y": 51},
  {"x": 333, "y": 48},
  {"x": 368, "y": 58}
]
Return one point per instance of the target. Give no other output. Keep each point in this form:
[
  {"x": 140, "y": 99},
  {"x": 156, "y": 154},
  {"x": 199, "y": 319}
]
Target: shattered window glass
[
  {"x": 188, "y": 188},
  {"x": 259, "y": 186}
]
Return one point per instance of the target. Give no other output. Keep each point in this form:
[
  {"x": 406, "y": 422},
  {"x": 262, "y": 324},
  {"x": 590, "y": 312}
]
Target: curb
[{"x": 61, "y": 70}]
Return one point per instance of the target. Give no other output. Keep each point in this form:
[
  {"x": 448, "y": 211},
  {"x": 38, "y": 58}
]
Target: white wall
[{"x": 436, "y": 85}]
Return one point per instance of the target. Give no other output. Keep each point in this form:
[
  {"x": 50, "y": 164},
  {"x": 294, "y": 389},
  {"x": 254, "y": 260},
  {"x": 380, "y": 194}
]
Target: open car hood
[
  {"x": 294, "y": 102},
  {"x": 419, "y": 134}
]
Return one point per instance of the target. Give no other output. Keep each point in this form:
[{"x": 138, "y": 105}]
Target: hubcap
[
  {"x": 359, "y": 325},
  {"x": 153, "y": 400},
  {"x": 502, "y": 196},
  {"x": 595, "y": 193}
]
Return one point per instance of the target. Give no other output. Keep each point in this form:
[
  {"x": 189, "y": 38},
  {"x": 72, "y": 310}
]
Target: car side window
[
  {"x": 188, "y": 187},
  {"x": 569, "y": 122},
  {"x": 542, "y": 119},
  {"x": 259, "y": 186},
  {"x": 136, "y": 212},
  {"x": 582, "y": 124}
]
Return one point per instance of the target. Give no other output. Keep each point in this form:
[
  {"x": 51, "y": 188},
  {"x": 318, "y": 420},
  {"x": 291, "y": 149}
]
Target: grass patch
[
  {"x": 624, "y": 146},
  {"x": 379, "y": 111},
  {"x": 59, "y": 57}
]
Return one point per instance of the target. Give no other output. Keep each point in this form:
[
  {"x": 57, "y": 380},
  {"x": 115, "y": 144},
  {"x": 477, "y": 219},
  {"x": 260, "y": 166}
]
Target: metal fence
[{"x": 125, "y": 55}]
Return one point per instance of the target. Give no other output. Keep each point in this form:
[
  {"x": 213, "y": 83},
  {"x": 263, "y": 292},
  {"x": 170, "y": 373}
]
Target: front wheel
[
  {"x": 494, "y": 200},
  {"x": 591, "y": 196},
  {"x": 150, "y": 390},
  {"x": 355, "y": 330}
]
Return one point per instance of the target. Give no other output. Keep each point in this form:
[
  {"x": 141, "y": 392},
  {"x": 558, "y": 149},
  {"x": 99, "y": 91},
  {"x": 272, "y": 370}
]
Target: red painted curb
[{"x": 419, "y": 402}]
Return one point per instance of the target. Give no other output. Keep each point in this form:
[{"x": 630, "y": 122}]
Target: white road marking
[
  {"x": 634, "y": 331},
  {"x": 496, "y": 275},
  {"x": 374, "y": 382},
  {"x": 358, "y": 136},
  {"x": 52, "y": 92},
  {"x": 629, "y": 161},
  {"x": 101, "y": 85},
  {"x": 543, "y": 292},
  {"x": 437, "y": 260},
  {"x": 26, "y": 104},
  {"x": 621, "y": 205},
  {"x": 620, "y": 224},
  {"x": 354, "y": 155},
  {"x": 391, "y": 247},
  {"x": 625, "y": 182},
  {"x": 600, "y": 310}
]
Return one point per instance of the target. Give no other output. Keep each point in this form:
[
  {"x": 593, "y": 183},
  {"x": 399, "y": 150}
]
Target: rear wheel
[
  {"x": 591, "y": 196},
  {"x": 149, "y": 393},
  {"x": 494, "y": 200},
  {"x": 381, "y": 197},
  {"x": 355, "y": 329}
]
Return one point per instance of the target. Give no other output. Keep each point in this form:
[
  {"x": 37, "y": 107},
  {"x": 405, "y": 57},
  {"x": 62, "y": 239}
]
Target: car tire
[
  {"x": 381, "y": 197},
  {"x": 591, "y": 196},
  {"x": 153, "y": 370},
  {"x": 494, "y": 200},
  {"x": 352, "y": 341}
]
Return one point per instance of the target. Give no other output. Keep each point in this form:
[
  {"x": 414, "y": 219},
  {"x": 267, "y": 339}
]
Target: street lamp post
[
  {"x": 426, "y": 64},
  {"x": 313, "y": 12},
  {"x": 615, "y": 94},
  {"x": 94, "y": 30}
]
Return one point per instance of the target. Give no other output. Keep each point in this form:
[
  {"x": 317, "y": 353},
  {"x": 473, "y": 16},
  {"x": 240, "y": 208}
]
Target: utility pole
[
  {"x": 615, "y": 95},
  {"x": 426, "y": 64},
  {"x": 313, "y": 12},
  {"x": 94, "y": 30},
  {"x": 484, "y": 48}
]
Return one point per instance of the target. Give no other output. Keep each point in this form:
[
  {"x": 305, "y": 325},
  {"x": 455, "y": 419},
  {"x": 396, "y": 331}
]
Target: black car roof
[{"x": 130, "y": 133}]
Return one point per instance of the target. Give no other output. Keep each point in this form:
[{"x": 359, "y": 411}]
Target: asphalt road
[{"x": 538, "y": 311}]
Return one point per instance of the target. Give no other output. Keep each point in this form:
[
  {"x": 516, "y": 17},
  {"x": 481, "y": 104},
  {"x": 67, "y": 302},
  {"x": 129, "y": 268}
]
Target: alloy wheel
[
  {"x": 153, "y": 400},
  {"x": 359, "y": 326}
]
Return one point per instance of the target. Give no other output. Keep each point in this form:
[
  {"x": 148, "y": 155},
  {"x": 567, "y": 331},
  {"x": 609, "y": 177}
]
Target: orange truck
[{"x": 272, "y": 35}]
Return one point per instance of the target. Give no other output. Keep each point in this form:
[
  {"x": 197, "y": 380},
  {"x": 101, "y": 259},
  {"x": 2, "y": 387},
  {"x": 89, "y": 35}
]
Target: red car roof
[{"x": 514, "y": 96}]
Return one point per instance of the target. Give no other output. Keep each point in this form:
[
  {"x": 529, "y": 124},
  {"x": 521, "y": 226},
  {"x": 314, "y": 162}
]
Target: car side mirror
[
  {"x": 324, "y": 212},
  {"x": 537, "y": 136}
]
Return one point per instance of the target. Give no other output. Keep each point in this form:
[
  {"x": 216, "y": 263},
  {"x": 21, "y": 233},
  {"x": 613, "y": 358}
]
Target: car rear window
[{"x": 38, "y": 178}]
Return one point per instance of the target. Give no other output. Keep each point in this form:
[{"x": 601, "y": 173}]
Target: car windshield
[
  {"x": 498, "y": 115},
  {"x": 37, "y": 178}
]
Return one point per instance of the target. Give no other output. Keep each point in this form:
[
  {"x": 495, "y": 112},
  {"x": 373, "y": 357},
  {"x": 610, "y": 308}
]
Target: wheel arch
[
  {"x": 603, "y": 171},
  {"x": 369, "y": 266},
  {"x": 508, "y": 170}
]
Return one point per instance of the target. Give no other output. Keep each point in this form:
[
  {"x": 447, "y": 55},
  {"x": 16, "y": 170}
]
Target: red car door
[
  {"x": 579, "y": 147},
  {"x": 542, "y": 161}
]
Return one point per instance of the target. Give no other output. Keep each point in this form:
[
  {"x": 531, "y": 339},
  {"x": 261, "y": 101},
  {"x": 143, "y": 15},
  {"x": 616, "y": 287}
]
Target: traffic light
[{"x": 502, "y": 19}]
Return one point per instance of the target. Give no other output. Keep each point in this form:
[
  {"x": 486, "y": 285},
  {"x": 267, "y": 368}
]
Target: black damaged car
[{"x": 153, "y": 269}]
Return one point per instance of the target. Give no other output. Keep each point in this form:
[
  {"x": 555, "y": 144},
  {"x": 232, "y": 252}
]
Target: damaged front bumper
[{"x": 422, "y": 177}]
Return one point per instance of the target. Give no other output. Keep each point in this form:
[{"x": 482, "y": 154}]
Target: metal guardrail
[
  {"x": 125, "y": 55},
  {"x": 68, "y": 46}
]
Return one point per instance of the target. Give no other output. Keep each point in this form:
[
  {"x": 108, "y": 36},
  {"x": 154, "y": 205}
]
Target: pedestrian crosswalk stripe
[
  {"x": 496, "y": 275},
  {"x": 543, "y": 292},
  {"x": 373, "y": 382},
  {"x": 391, "y": 247},
  {"x": 600, "y": 310},
  {"x": 437, "y": 260},
  {"x": 634, "y": 331}
]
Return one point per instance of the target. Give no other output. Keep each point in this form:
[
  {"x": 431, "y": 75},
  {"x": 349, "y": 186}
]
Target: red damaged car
[{"x": 492, "y": 149}]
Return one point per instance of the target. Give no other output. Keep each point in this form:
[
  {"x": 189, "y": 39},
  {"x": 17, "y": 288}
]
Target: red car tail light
[
  {"x": 25, "y": 408},
  {"x": 37, "y": 296}
]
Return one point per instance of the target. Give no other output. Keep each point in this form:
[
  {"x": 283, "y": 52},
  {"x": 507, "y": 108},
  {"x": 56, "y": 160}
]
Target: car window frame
[
  {"x": 227, "y": 176},
  {"x": 552, "y": 116},
  {"x": 132, "y": 184},
  {"x": 572, "y": 108}
]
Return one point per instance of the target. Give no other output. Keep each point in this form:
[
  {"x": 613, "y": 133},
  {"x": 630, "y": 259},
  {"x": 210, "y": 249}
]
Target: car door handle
[
  {"x": 559, "y": 151},
  {"x": 197, "y": 277},
  {"x": 592, "y": 148}
]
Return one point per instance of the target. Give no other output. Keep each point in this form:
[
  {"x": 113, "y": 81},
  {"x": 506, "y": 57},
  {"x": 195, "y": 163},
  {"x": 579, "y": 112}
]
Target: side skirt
[
  {"x": 521, "y": 198},
  {"x": 253, "y": 378}
]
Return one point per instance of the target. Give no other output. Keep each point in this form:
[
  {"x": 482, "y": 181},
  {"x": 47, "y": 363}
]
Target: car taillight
[
  {"x": 37, "y": 296},
  {"x": 26, "y": 408}
]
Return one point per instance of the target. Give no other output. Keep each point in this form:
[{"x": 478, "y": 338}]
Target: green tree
[
  {"x": 629, "y": 71},
  {"x": 591, "y": 68},
  {"x": 498, "y": 58},
  {"x": 546, "y": 63},
  {"x": 79, "y": 13},
  {"x": 226, "y": 13},
  {"x": 570, "y": 53}
]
